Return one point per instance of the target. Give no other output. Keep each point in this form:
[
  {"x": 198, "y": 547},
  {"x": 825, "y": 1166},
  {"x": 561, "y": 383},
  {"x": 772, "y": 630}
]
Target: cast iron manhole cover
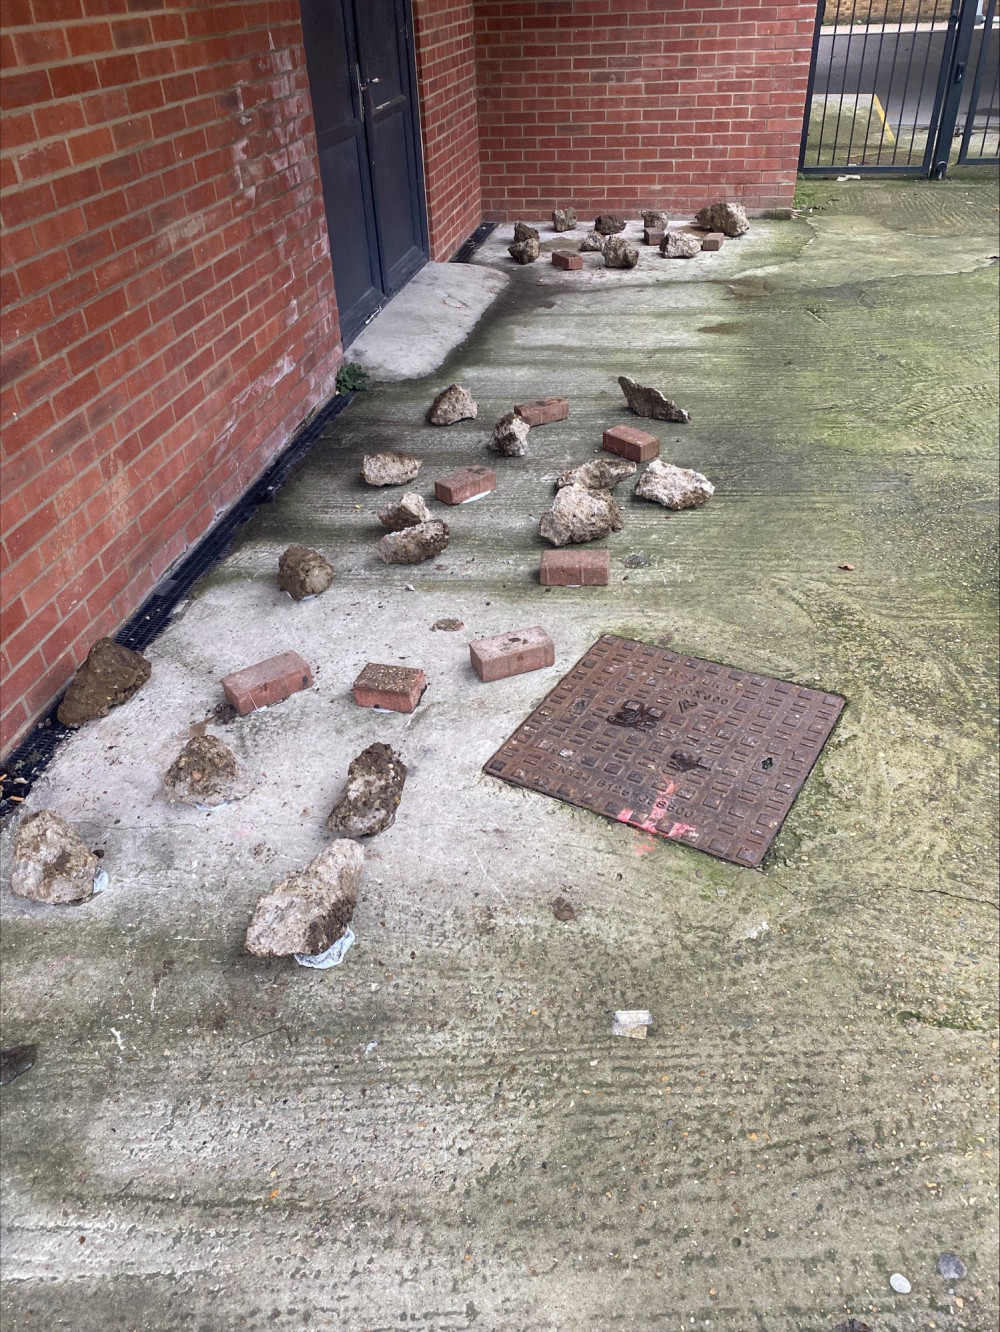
[{"x": 685, "y": 748}]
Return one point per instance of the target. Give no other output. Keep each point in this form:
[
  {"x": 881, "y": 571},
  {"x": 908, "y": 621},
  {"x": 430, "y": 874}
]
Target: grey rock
[
  {"x": 673, "y": 487},
  {"x": 564, "y": 219},
  {"x": 409, "y": 510},
  {"x": 205, "y": 772},
  {"x": 638, "y": 560},
  {"x": 303, "y": 572},
  {"x": 729, "y": 218},
  {"x": 110, "y": 675},
  {"x": 654, "y": 220},
  {"x": 452, "y": 404},
  {"x": 374, "y": 785},
  {"x": 608, "y": 224},
  {"x": 509, "y": 436},
  {"x": 389, "y": 469},
  {"x": 525, "y": 251},
  {"x": 650, "y": 402},
  {"x": 523, "y": 232},
  {"x": 951, "y": 1266},
  {"x": 601, "y": 474},
  {"x": 414, "y": 544},
  {"x": 15, "y": 1060},
  {"x": 52, "y": 863},
  {"x": 618, "y": 253},
  {"x": 680, "y": 245},
  {"x": 578, "y": 514},
  {"x": 593, "y": 243},
  {"x": 310, "y": 909}
]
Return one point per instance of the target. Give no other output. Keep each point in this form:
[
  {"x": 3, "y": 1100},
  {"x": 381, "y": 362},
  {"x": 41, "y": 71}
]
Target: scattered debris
[
  {"x": 729, "y": 218},
  {"x": 452, "y": 404},
  {"x": 563, "y": 219},
  {"x": 110, "y": 676},
  {"x": 468, "y": 483},
  {"x": 638, "y": 560},
  {"x": 304, "y": 573},
  {"x": 854, "y": 1325},
  {"x": 565, "y": 260},
  {"x": 510, "y": 434},
  {"x": 309, "y": 909},
  {"x": 414, "y": 544},
  {"x": 601, "y": 474},
  {"x": 223, "y": 714},
  {"x": 574, "y": 568},
  {"x": 841, "y": 179},
  {"x": 523, "y": 232},
  {"x": 578, "y": 514},
  {"x": 848, "y": 568},
  {"x": 654, "y": 219},
  {"x": 205, "y": 772},
  {"x": 713, "y": 241},
  {"x": 266, "y": 682},
  {"x": 15, "y": 1060},
  {"x": 900, "y": 1284},
  {"x": 544, "y": 411},
  {"x": 650, "y": 402},
  {"x": 951, "y": 1266},
  {"x": 512, "y": 654},
  {"x": 680, "y": 245},
  {"x": 592, "y": 243},
  {"x": 371, "y": 797},
  {"x": 52, "y": 863},
  {"x": 389, "y": 469},
  {"x": 333, "y": 956},
  {"x": 525, "y": 251},
  {"x": 608, "y": 224},
  {"x": 394, "y": 688},
  {"x": 562, "y": 909},
  {"x": 632, "y": 1022},
  {"x": 638, "y": 446},
  {"x": 673, "y": 487},
  {"x": 448, "y": 626},
  {"x": 620, "y": 253},
  {"x": 407, "y": 511}
]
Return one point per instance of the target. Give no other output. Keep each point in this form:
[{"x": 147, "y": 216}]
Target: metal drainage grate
[{"x": 687, "y": 749}]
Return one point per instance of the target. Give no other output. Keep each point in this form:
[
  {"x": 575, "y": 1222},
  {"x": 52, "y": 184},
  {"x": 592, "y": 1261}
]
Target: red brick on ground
[
  {"x": 628, "y": 442},
  {"x": 652, "y": 236},
  {"x": 267, "y": 682},
  {"x": 512, "y": 654},
  {"x": 465, "y": 484},
  {"x": 544, "y": 411},
  {"x": 397, "y": 688},
  {"x": 575, "y": 568},
  {"x": 566, "y": 259},
  {"x": 713, "y": 241}
]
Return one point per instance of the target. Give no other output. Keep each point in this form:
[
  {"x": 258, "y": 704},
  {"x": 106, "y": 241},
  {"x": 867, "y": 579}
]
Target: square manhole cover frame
[{"x": 687, "y": 749}]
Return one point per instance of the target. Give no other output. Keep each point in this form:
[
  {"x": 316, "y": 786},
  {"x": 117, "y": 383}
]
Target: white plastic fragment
[
  {"x": 632, "y": 1022},
  {"x": 333, "y": 956},
  {"x": 100, "y": 881},
  {"x": 900, "y": 1284}
]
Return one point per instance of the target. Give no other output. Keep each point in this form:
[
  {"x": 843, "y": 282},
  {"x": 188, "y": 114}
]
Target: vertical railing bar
[
  {"x": 970, "y": 115},
  {"x": 840, "y": 105},
  {"x": 878, "y": 65},
  {"x": 948, "y": 97},
  {"x": 892, "y": 75},
  {"x": 810, "y": 88},
  {"x": 861, "y": 70},
  {"x": 909, "y": 70},
  {"x": 906, "y": 82},
  {"x": 942, "y": 75}
]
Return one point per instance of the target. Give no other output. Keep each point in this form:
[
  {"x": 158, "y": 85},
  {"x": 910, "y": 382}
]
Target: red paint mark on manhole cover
[{"x": 690, "y": 750}]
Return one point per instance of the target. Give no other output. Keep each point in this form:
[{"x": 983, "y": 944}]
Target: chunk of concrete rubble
[
  {"x": 452, "y": 404},
  {"x": 601, "y": 474},
  {"x": 52, "y": 863},
  {"x": 205, "y": 772},
  {"x": 593, "y": 243},
  {"x": 110, "y": 676},
  {"x": 407, "y": 511},
  {"x": 654, "y": 219},
  {"x": 950, "y": 1266},
  {"x": 632, "y": 1022},
  {"x": 619, "y": 253},
  {"x": 650, "y": 402},
  {"x": 608, "y": 224},
  {"x": 303, "y": 572},
  {"x": 310, "y": 909},
  {"x": 680, "y": 245},
  {"x": 523, "y": 232},
  {"x": 673, "y": 487},
  {"x": 729, "y": 218},
  {"x": 578, "y": 514},
  {"x": 563, "y": 219},
  {"x": 414, "y": 544},
  {"x": 389, "y": 469},
  {"x": 510, "y": 435},
  {"x": 525, "y": 251},
  {"x": 371, "y": 797}
]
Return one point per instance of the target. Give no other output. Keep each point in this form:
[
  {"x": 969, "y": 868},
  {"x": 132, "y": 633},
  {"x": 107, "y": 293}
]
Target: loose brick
[
  {"x": 630, "y": 443},
  {"x": 575, "y": 568},
  {"x": 652, "y": 236},
  {"x": 512, "y": 654},
  {"x": 397, "y": 688},
  {"x": 465, "y": 484},
  {"x": 566, "y": 259},
  {"x": 713, "y": 241},
  {"x": 543, "y": 412},
  {"x": 267, "y": 682}
]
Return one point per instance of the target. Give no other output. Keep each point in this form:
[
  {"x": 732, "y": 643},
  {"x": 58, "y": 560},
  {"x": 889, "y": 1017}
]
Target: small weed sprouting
[{"x": 352, "y": 378}]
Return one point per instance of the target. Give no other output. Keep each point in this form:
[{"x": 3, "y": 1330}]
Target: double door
[{"x": 359, "y": 55}]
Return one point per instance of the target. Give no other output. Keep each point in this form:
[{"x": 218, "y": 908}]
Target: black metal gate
[{"x": 902, "y": 86}]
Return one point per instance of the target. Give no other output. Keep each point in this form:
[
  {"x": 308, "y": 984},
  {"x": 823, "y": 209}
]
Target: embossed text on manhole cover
[{"x": 685, "y": 748}]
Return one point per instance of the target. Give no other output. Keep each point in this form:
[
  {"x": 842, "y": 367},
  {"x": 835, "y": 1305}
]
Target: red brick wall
[
  {"x": 639, "y": 103},
  {"x": 447, "y": 81},
  {"x": 169, "y": 307}
]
